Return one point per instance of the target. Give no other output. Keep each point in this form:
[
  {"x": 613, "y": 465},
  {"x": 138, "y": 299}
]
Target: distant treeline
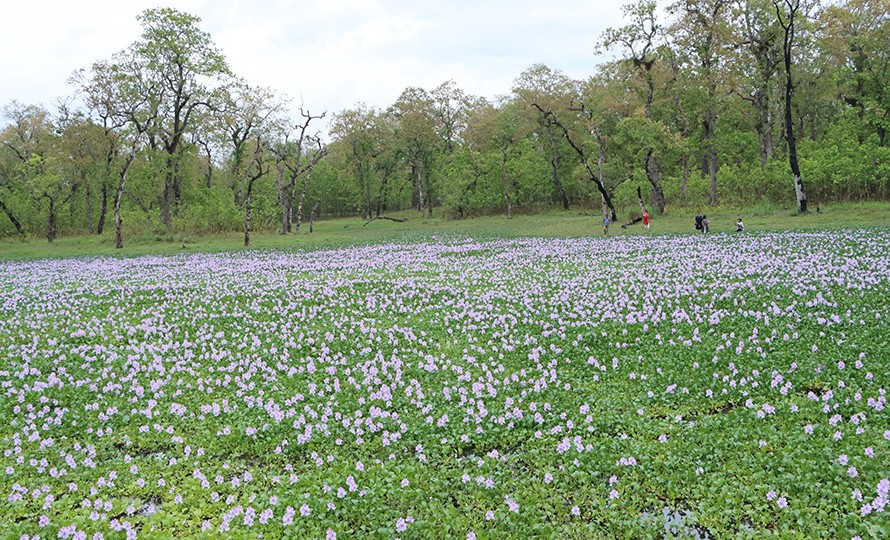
[{"x": 716, "y": 102}]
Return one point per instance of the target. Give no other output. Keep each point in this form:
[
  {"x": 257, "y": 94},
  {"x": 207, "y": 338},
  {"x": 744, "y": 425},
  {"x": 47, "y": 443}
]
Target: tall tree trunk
[
  {"x": 71, "y": 207},
  {"x": 652, "y": 174},
  {"x": 208, "y": 176},
  {"x": 282, "y": 193},
  {"x": 381, "y": 193},
  {"x": 650, "y": 163},
  {"x": 554, "y": 168},
  {"x": 711, "y": 152},
  {"x": 299, "y": 216},
  {"x": 419, "y": 181},
  {"x": 51, "y": 222},
  {"x": 167, "y": 199},
  {"x": 429, "y": 200},
  {"x": 248, "y": 201},
  {"x": 312, "y": 216},
  {"x": 764, "y": 127},
  {"x": 177, "y": 184},
  {"x": 684, "y": 183},
  {"x": 288, "y": 214},
  {"x": 103, "y": 210},
  {"x": 291, "y": 200},
  {"x": 88, "y": 206},
  {"x": 793, "y": 6},
  {"x": 15, "y": 222},
  {"x": 118, "y": 195},
  {"x": 712, "y": 174},
  {"x": 506, "y": 178}
]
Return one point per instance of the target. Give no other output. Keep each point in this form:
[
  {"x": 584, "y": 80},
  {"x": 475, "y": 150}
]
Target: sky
[{"x": 326, "y": 54}]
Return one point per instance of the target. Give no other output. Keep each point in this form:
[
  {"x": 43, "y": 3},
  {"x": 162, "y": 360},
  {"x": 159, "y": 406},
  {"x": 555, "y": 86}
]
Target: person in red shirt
[{"x": 646, "y": 219}]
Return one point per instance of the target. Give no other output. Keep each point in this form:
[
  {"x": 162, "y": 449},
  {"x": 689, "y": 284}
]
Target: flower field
[{"x": 665, "y": 387}]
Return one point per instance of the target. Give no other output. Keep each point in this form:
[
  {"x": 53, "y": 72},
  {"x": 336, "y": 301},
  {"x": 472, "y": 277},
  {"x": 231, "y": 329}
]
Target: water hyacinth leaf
[{"x": 369, "y": 389}]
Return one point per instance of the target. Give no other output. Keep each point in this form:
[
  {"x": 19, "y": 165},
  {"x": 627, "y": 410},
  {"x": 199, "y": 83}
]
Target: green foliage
[
  {"x": 714, "y": 90},
  {"x": 207, "y": 387}
]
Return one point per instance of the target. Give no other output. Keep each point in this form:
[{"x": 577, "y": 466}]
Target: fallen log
[
  {"x": 397, "y": 220},
  {"x": 632, "y": 222}
]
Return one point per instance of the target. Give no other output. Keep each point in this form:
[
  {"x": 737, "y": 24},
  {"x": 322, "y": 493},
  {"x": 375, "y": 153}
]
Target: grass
[{"x": 352, "y": 231}]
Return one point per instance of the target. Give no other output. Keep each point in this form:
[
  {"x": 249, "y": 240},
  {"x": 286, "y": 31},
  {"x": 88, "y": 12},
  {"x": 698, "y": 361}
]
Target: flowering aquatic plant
[{"x": 451, "y": 388}]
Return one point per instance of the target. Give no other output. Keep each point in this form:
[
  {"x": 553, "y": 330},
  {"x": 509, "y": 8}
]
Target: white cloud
[{"x": 334, "y": 53}]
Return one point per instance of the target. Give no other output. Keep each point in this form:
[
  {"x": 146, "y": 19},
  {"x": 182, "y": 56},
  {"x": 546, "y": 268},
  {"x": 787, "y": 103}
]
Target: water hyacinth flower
[{"x": 363, "y": 347}]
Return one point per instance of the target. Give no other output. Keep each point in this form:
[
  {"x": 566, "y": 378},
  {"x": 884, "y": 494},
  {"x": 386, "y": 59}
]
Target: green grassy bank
[{"x": 348, "y": 231}]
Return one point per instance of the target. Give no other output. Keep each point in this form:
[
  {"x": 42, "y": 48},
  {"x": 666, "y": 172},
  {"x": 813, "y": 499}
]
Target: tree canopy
[{"x": 734, "y": 102}]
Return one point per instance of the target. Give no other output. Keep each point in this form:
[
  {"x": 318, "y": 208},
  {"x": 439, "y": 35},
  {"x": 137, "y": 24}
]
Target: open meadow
[{"x": 664, "y": 386}]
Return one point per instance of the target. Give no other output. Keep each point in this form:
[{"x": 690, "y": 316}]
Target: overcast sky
[{"x": 331, "y": 54}]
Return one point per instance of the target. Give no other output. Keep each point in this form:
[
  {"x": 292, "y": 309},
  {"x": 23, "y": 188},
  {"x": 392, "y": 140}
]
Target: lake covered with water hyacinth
[{"x": 674, "y": 386}]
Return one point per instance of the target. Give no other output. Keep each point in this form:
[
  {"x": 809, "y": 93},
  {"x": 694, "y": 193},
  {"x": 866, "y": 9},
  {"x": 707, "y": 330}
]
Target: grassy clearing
[{"x": 352, "y": 231}]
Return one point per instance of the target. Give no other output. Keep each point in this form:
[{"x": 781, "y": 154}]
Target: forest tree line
[{"x": 745, "y": 102}]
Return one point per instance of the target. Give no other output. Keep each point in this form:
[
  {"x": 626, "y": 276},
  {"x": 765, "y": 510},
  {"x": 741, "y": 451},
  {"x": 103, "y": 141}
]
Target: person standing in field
[
  {"x": 646, "y": 219},
  {"x": 606, "y": 222},
  {"x": 705, "y": 223},
  {"x": 739, "y": 226}
]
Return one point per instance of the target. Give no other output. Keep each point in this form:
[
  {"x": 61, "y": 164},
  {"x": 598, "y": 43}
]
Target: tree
[
  {"x": 787, "y": 13},
  {"x": 255, "y": 169},
  {"x": 355, "y": 129},
  {"x": 577, "y": 130},
  {"x": 417, "y": 138},
  {"x": 759, "y": 36},
  {"x": 680, "y": 112},
  {"x": 297, "y": 158},
  {"x": 22, "y": 140},
  {"x": 701, "y": 28},
  {"x": 450, "y": 106},
  {"x": 640, "y": 39},
  {"x": 856, "y": 35},
  {"x": 41, "y": 169},
  {"x": 245, "y": 113},
  {"x": 493, "y": 133},
  {"x": 543, "y": 89},
  {"x": 8, "y": 164},
  {"x": 179, "y": 60},
  {"x": 120, "y": 98},
  {"x": 367, "y": 135}
]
